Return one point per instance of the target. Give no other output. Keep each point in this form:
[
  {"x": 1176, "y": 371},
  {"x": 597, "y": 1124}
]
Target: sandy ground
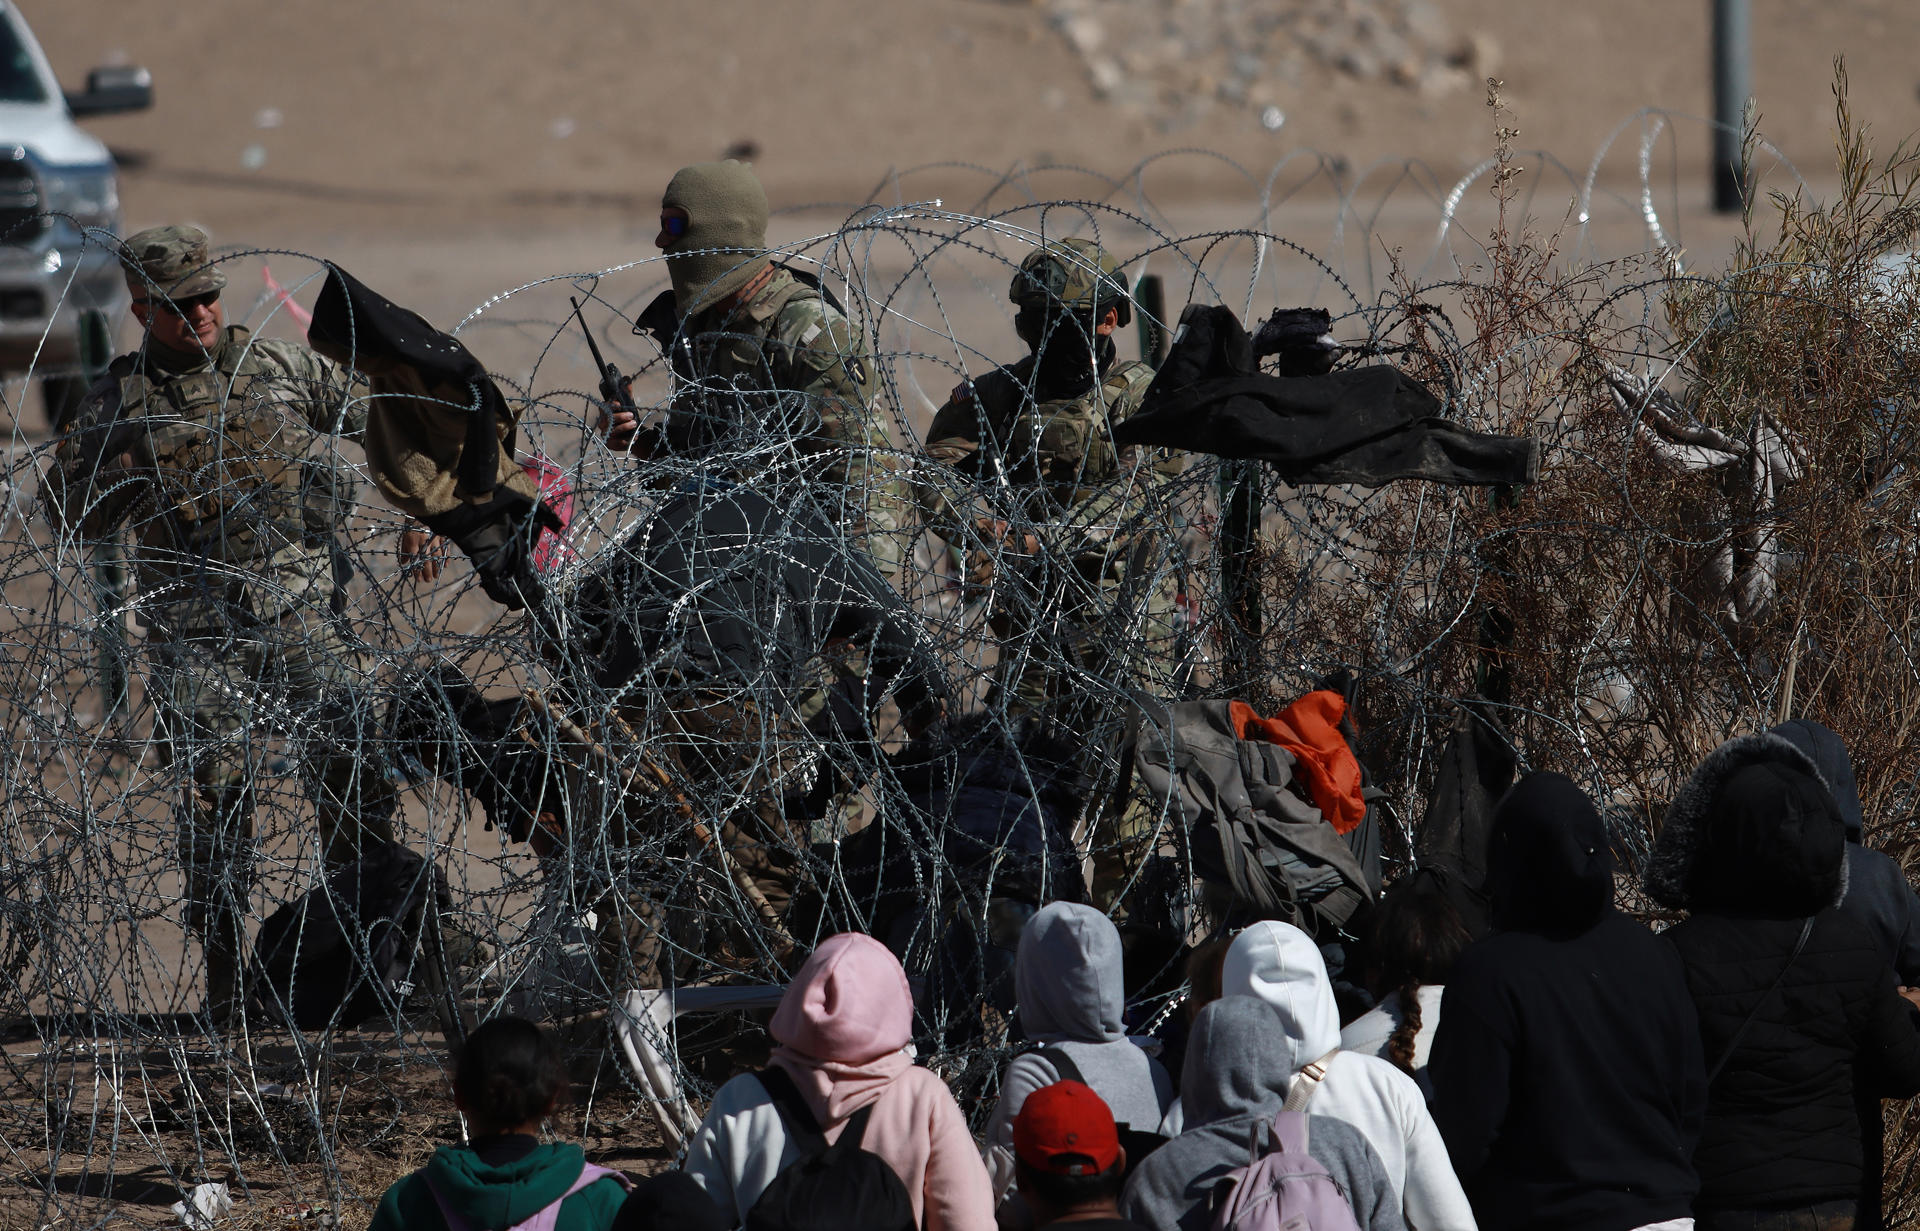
[
  {"x": 456, "y": 107},
  {"x": 457, "y": 150}
]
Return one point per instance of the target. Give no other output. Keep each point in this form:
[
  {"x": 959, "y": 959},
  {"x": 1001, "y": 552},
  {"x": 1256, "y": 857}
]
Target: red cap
[{"x": 1066, "y": 1129}]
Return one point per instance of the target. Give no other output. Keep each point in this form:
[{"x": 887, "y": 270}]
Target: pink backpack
[
  {"x": 544, "y": 1218},
  {"x": 1283, "y": 1188}
]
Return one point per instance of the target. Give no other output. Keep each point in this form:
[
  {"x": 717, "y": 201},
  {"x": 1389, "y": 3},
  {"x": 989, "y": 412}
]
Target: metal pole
[{"x": 1732, "y": 87}]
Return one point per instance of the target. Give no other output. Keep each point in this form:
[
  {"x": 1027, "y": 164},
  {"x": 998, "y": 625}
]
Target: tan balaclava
[{"x": 726, "y": 240}]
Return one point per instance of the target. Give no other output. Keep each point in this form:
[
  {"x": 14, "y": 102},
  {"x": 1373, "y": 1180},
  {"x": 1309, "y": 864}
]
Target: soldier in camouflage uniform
[
  {"x": 1071, "y": 550},
  {"x": 201, "y": 444},
  {"x": 768, "y": 371},
  {"x": 776, "y": 388}
]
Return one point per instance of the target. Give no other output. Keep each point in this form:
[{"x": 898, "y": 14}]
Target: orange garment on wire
[{"x": 1310, "y": 730}]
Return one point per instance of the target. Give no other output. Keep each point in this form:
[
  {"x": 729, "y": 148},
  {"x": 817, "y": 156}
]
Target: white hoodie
[{"x": 1280, "y": 964}]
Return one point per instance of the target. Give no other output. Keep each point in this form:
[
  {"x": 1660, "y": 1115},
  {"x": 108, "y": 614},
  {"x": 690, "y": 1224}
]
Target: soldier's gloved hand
[{"x": 422, "y": 552}]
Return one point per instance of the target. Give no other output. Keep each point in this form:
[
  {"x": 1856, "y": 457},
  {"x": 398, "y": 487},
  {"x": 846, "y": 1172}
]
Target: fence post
[{"x": 1732, "y": 86}]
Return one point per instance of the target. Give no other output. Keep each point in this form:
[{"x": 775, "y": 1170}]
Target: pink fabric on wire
[{"x": 551, "y": 548}]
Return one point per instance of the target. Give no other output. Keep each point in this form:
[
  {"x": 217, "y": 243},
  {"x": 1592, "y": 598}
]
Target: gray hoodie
[
  {"x": 1236, "y": 1076},
  {"x": 1070, "y": 982}
]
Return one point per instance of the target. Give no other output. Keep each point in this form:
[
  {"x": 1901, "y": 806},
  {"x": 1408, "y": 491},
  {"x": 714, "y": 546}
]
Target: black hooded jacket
[
  {"x": 1566, "y": 1069},
  {"x": 1753, "y": 846},
  {"x": 1878, "y": 895},
  {"x": 1879, "y": 898}
]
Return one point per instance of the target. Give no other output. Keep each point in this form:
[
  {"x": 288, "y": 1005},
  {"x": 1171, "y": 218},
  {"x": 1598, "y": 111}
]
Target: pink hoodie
[{"x": 841, "y": 1027}]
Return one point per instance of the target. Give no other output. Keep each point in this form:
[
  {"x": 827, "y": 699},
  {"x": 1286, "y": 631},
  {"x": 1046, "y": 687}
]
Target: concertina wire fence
[{"x": 1617, "y": 619}]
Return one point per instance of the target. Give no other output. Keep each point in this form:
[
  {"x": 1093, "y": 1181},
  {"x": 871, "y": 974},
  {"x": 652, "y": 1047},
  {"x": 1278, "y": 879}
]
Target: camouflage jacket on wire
[
  {"x": 1048, "y": 465},
  {"x": 785, "y": 384},
  {"x": 216, "y": 467}
]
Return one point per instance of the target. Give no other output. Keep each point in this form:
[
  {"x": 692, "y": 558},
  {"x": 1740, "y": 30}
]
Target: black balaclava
[{"x": 1069, "y": 357}]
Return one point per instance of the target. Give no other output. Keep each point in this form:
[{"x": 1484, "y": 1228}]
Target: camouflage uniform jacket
[
  {"x": 233, "y": 509},
  {"x": 1083, "y": 497},
  {"x": 784, "y": 372}
]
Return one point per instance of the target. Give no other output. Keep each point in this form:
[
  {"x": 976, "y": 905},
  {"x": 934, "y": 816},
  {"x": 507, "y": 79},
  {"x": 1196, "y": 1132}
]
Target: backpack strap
[
  {"x": 594, "y": 1171},
  {"x": 1064, "y": 1069},
  {"x": 1306, "y": 1081},
  {"x": 793, "y": 1109},
  {"x": 855, "y": 1131},
  {"x": 545, "y": 1218},
  {"x": 1290, "y": 1131},
  {"x": 1733, "y": 1044}
]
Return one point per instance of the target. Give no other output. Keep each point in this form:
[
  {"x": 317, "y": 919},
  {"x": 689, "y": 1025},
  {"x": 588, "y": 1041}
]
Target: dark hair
[
  {"x": 1203, "y": 973},
  {"x": 1067, "y": 1192},
  {"x": 508, "y": 1074},
  {"x": 1417, "y": 938}
]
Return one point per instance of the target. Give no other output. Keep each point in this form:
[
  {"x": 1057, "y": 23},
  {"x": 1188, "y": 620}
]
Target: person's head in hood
[
  {"x": 1069, "y": 976},
  {"x": 1279, "y": 965},
  {"x": 1549, "y": 863},
  {"x": 1236, "y": 1065},
  {"x": 1828, "y": 752},
  {"x": 849, "y": 1004},
  {"x": 1754, "y": 831},
  {"x": 713, "y": 228}
]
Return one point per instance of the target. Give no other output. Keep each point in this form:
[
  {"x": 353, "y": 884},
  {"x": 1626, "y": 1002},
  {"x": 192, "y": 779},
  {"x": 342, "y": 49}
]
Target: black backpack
[
  {"x": 342, "y": 952},
  {"x": 838, "y": 1187}
]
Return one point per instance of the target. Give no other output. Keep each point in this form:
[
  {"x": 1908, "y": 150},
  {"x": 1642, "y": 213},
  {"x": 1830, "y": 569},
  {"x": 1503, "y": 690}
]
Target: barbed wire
[{"x": 638, "y": 855}]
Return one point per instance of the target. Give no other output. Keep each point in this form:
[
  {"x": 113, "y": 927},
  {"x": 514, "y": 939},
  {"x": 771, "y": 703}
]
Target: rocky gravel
[{"x": 1177, "y": 60}]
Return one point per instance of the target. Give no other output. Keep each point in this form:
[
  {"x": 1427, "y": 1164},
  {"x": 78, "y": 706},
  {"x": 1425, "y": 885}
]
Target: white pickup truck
[{"x": 57, "y": 184}]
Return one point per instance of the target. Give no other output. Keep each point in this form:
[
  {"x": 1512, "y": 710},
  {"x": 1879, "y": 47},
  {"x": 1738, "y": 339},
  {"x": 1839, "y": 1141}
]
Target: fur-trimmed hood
[{"x": 1754, "y": 831}]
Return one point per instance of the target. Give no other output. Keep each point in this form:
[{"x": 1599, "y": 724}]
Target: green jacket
[{"x": 493, "y": 1198}]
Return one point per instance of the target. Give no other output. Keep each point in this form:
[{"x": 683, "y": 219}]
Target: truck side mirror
[{"x": 111, "y": 90}]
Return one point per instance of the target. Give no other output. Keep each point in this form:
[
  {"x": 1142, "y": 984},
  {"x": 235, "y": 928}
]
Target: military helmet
[
  {"x": 1075, "y": 273},
  {"x": 170, "y": 263}
]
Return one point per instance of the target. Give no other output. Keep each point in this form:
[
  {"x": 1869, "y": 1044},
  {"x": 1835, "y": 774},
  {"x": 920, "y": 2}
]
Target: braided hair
[{"x": 1417, "y": 938}]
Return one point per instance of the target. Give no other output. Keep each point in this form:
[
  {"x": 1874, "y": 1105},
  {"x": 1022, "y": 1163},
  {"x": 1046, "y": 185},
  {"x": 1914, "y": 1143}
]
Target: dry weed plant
[{"x": 1617, "y": 615}]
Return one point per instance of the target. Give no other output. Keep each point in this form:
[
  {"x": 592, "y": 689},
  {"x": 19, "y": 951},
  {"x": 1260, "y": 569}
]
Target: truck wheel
[{"x": 62, "y": 396}]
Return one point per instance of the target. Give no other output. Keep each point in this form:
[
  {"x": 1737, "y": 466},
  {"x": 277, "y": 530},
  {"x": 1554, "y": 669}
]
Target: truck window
[{"x": 18, "y": 82}]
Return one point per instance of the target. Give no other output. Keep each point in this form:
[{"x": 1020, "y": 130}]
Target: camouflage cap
[
  {"x": 1076, "y": 273},
  {"x": 170, "y": 263}
]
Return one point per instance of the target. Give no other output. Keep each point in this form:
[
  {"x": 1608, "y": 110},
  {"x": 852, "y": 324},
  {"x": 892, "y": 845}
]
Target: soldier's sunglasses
[{"x": 674, "y": 224}]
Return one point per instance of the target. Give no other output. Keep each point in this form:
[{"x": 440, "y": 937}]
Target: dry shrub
[{"x": 1592, "y": 609}]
